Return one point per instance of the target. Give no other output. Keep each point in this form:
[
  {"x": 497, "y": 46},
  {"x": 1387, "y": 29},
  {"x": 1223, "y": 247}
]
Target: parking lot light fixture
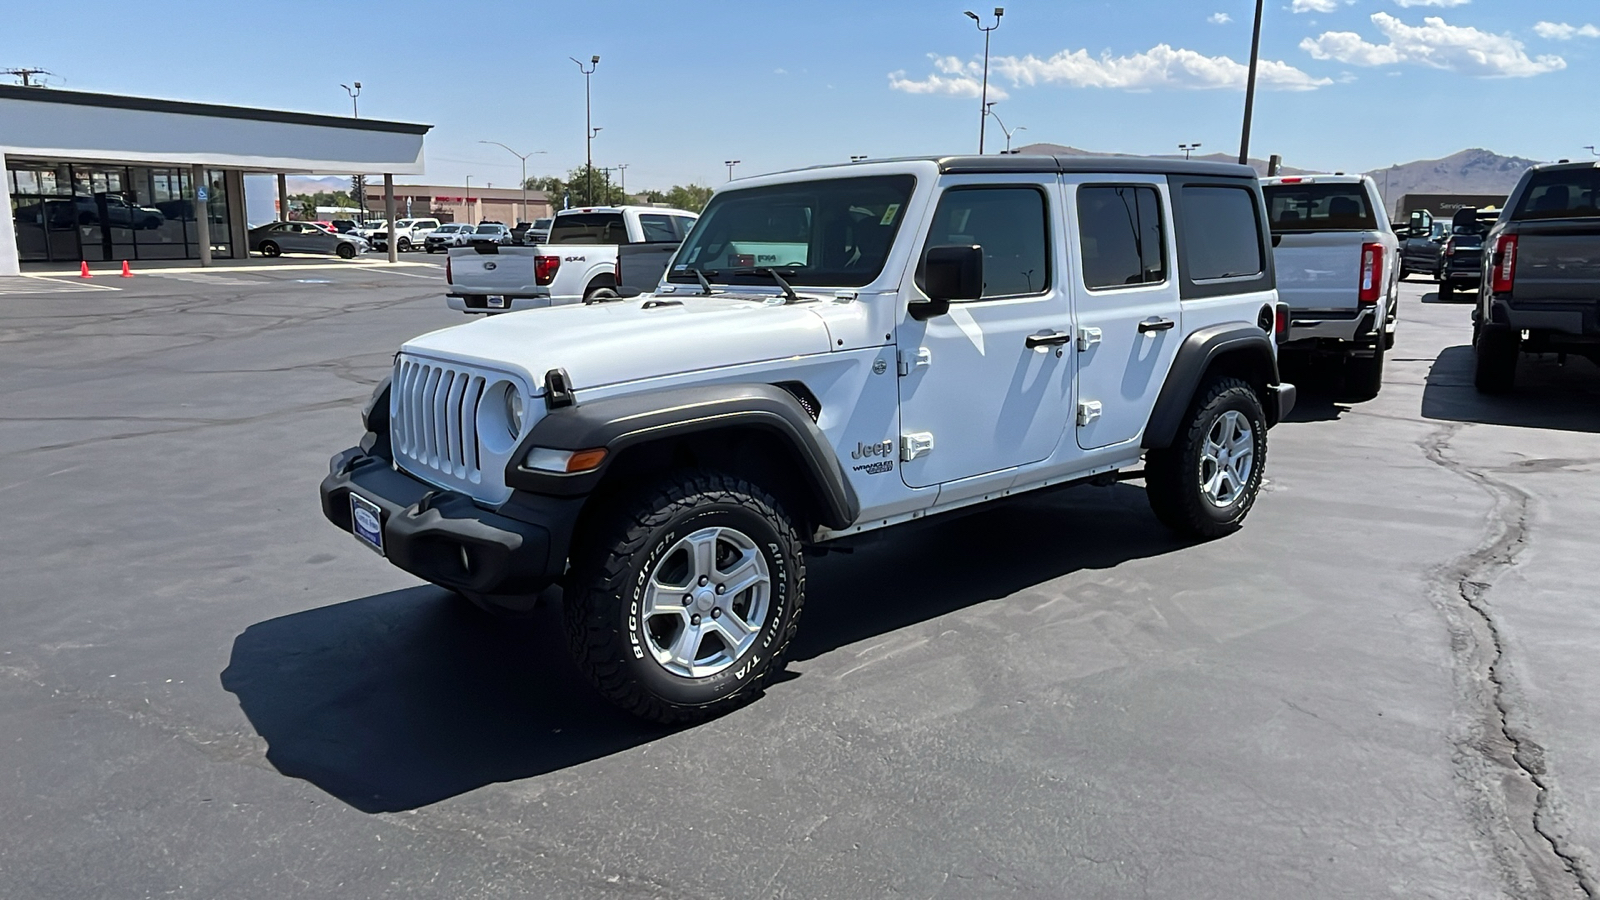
[
  {"x": 354, "y": 92},
  {"x": 983, "y": 106},
  {"x": 730, "y": 163},
  {"x": 524, "y": 158},
  {"x": 1189, "y": 148},
  {"x": 856, "y": 159},
  {"x": 1003, "y": 130},
  {"x": 1592, "y": 150},
  {"x": 588, "y": 123}
]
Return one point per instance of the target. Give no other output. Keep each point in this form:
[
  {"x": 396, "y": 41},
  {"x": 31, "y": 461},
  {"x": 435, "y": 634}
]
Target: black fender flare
[
  {"x": 1237, "y": 342},
  {"x": 618, "y": 423}
]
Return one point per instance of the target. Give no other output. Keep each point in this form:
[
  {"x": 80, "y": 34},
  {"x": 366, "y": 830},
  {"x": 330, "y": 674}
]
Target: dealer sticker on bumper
[{"x": 366, "y": 522}]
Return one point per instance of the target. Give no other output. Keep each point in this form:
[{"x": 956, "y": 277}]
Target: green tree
[{"x": 692, "y": 197}]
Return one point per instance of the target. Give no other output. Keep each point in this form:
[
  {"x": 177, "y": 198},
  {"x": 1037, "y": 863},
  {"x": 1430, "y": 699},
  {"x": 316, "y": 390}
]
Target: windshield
[
  {"x": 489, "y": 229},
  {"x": 1319, "y": 207},
  {"x": 541, "y": 224},
  {"x": 833, "y": 233}
]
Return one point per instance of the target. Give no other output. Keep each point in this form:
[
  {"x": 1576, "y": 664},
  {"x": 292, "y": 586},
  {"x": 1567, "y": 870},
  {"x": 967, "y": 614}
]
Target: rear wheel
[
  {"x": 1208, "y": 480},
  {"x": 268, "y": 248},
  {"x": 1363, "y": 375},
  {"x": 404, "y": 244},
  {"x": 681, "y": 602},
  {"x": 1495, "y": 363}
]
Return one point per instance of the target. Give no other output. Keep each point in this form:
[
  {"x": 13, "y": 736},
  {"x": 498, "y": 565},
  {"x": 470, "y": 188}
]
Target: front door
[
  {"x": 974, "y": 396},
  {"x": 1128, "y": 313}
]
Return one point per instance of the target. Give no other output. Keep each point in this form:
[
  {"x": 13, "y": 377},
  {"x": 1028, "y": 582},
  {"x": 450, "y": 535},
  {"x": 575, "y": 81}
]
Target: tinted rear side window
[
  {"x": 657, "y": 228},
  {"x": 589, "y": 228},
  {"x": 1319, "y": 207},
  {"x": 1222, "y": 231},
  {"x": 1123, "y": 239},
  {"x": 1561, "y": 194}
]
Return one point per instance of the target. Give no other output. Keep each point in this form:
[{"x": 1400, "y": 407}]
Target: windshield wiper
[
  {"x": 705, "y": 285},
  {"x": 788, "y": 292}
]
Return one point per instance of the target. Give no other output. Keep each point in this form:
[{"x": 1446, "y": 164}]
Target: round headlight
[{"x": 514, "y": 410}]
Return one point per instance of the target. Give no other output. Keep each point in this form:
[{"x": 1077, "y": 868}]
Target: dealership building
[{"x": 105, "y": 177}]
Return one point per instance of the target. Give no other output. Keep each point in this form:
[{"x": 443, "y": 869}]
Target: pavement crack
[{"x": 1512, "y": 791}]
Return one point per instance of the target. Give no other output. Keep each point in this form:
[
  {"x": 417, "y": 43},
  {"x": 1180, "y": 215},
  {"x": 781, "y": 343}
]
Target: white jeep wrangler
[{"x": 935, "y": 333}]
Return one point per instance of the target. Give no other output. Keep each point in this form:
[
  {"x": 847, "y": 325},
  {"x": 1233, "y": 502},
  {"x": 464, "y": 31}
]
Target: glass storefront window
[{"x": 70, "y": 212}]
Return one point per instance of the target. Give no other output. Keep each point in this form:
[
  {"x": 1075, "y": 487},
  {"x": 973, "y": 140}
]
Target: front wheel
[
  {"x": 1207, "y": 481},
  {"x": 346, "y": 251},
  {"x": 682, "y": 601},
  {"x": 268, "y": 248}
]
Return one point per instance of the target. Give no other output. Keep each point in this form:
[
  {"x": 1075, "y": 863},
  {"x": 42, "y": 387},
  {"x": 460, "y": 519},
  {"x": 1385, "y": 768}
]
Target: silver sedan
[{"x": 304, "y": 237}]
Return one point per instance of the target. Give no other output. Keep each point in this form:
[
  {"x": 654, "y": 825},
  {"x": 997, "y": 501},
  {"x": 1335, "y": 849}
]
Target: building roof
[{"x": 212, "y": 110}]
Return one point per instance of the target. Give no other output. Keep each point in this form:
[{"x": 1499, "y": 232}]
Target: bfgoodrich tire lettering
[
  {"x": 620, "y": 635},
  {"x": 1181, "y": 481}
]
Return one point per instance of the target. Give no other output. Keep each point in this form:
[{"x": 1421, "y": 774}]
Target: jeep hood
[{"x": 607, "y": 343}]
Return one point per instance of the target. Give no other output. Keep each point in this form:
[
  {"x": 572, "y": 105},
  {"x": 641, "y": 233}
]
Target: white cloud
[
  {"x": 1321, "y": 6},
  {"x": 954, "y": 78},
  {"x": 1444, "y": 3},
  {"x": 1219, "y": 18},
  {"x": 1561, "y": 31},
  {"x": 1455, "y": 48},
  {"x": 1161, "y": 66}
]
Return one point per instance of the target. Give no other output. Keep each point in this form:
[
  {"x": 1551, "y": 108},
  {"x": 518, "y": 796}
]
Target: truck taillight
[
  {"x": 448, "y": 276},
  {"x": 1371, "y": 273},
  {"x": 1280, "y": 322},
  {"x": 544, "y": 269},
  {"x": 1505, "y": 263},
  {"x": 1450, "y": 247},
  {"x": 616, "y": 273}
]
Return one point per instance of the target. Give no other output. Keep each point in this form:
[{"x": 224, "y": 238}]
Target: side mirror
[{"x": 949, "y": 273}]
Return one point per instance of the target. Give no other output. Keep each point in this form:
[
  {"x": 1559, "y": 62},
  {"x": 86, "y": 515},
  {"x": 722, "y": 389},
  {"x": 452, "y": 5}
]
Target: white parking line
[{"x": 38, "y": 284}]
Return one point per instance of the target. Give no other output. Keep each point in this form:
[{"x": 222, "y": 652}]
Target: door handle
[
  {"x": 1042, "y": 340},
  {"x": 1152, "y": 325}
]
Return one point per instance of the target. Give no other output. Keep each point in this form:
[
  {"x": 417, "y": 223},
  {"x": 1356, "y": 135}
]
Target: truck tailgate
[
  {"x": 1557, "y": 261},
  {"x": 508, "y": 271},
  {"x": 1320, "y": 270}
]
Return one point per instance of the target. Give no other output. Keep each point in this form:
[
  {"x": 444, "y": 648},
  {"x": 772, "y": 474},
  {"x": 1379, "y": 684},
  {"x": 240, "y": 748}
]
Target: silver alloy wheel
[
  {"x": 706, "y": 602},
  {"x": 1227, "y": 459}
]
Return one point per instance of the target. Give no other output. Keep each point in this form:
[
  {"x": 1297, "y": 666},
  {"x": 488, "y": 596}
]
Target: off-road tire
[
  {"x": 613, "y": 561},
  {"x": 1495, "y": 359},
  {"x": 1363, "y": 375},
  {"x": 1173, "y": 474}
]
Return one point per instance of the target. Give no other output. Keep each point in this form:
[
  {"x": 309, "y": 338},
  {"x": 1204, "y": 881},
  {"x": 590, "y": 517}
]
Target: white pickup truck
[
  {"x": 578, "y": 264},
  {"x": 1338, "y": 269}
]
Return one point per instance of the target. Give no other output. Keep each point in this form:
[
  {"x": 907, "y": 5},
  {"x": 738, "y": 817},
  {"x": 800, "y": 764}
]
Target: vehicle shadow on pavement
[
  {"x": 403, "y": 699},
  {"x": 923, "y": 571},
  {"x": 1547, "y": 395},
  {"x": 400, "y": 700},
  {"x": 1318, "y": 389}
]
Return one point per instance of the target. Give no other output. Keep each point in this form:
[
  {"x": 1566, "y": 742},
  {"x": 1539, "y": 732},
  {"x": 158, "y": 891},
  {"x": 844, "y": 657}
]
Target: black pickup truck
[
  {"x": 1461, "y": 257},
  {"x": 1540, "y": 289}
]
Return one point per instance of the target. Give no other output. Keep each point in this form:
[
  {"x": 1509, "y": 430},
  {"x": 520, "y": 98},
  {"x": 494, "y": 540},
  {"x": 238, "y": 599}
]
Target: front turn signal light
[{"x": 565, "y": 462}]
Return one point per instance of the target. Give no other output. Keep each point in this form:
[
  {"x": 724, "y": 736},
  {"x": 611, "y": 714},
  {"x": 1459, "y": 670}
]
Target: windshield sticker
[{"x": 889, "y": 213}]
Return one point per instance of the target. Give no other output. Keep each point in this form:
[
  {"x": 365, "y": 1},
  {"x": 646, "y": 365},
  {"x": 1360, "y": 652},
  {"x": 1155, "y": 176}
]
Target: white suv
[
  {"x": 409, "y": 234},
  {"x": 933, "y": 334}
]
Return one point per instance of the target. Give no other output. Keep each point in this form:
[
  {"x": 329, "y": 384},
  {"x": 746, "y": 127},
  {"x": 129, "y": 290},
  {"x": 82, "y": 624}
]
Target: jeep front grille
[{"x": 435, "y": 416}]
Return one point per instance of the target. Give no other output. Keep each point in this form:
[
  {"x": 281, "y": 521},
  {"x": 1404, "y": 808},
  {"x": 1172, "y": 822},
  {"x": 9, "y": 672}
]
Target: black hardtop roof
[{"x": 1077, "y": 165}]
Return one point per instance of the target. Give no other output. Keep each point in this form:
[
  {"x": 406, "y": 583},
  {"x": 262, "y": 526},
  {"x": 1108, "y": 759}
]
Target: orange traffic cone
[
  {"x": 83, "y": 270},
  {"x": 125, "y": 272}
]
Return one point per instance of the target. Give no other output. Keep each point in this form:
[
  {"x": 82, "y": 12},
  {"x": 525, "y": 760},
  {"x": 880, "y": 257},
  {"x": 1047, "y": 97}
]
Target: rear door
[{"x": 1125, "y": 296}]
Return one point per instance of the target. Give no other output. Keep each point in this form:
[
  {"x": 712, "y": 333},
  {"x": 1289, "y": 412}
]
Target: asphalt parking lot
[{"x": 1383, "y": 686}]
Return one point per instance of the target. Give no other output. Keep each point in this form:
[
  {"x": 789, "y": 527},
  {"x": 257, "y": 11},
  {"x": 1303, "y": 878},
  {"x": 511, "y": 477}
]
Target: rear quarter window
[
  {"x": 1561, "y": 194},
  {"x": 589, "y": 228},
  {"x": 1221, "y": 232}
]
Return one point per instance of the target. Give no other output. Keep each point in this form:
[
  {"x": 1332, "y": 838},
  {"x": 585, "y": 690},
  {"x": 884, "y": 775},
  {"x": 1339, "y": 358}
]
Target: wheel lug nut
[
  {"x": 716, "y": 611},
  {"x": 703, "y": 580},
  {"x": 694, "y": 619},
  {"x": 722, "y": 588},
  {"x": 688, "y": 599}
]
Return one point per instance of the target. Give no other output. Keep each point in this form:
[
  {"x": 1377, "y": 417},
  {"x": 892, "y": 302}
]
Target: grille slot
[{"x": 435, "y": 421}]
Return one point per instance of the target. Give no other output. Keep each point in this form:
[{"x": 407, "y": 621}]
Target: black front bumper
[{"x": 444, "y": 537}]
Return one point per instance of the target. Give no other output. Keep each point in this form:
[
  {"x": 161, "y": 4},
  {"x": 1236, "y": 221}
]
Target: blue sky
[{"x": 1350, "y": 84}]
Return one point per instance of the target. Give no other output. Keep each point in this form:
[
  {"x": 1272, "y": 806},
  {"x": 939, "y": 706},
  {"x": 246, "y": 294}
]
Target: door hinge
[
  {"x": 1087, "y": 337},
  {"x": 1088, "y": 411},
  {"x": 915, "y": 445},
  {"x": 915, "y": 359}
]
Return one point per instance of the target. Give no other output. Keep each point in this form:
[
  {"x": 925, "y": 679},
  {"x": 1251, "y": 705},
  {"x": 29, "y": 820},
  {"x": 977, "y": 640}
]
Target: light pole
[
  {"x": 1189, "y": 148},
  {"x": 524, "y": 158},
  {"x": 1250, "y": 88},
  {"x": 983, "y": 109},
  {"x": 730, "y": 163},
  {"x": 1591, "y": 149},
  {"x": 622, "y": 176},
  {"x": 467, "y": 200},
  {"x": 588, "y": 125},
  {"x": 1003, "y": 130},
  {"x": 359, "y": 182}
]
